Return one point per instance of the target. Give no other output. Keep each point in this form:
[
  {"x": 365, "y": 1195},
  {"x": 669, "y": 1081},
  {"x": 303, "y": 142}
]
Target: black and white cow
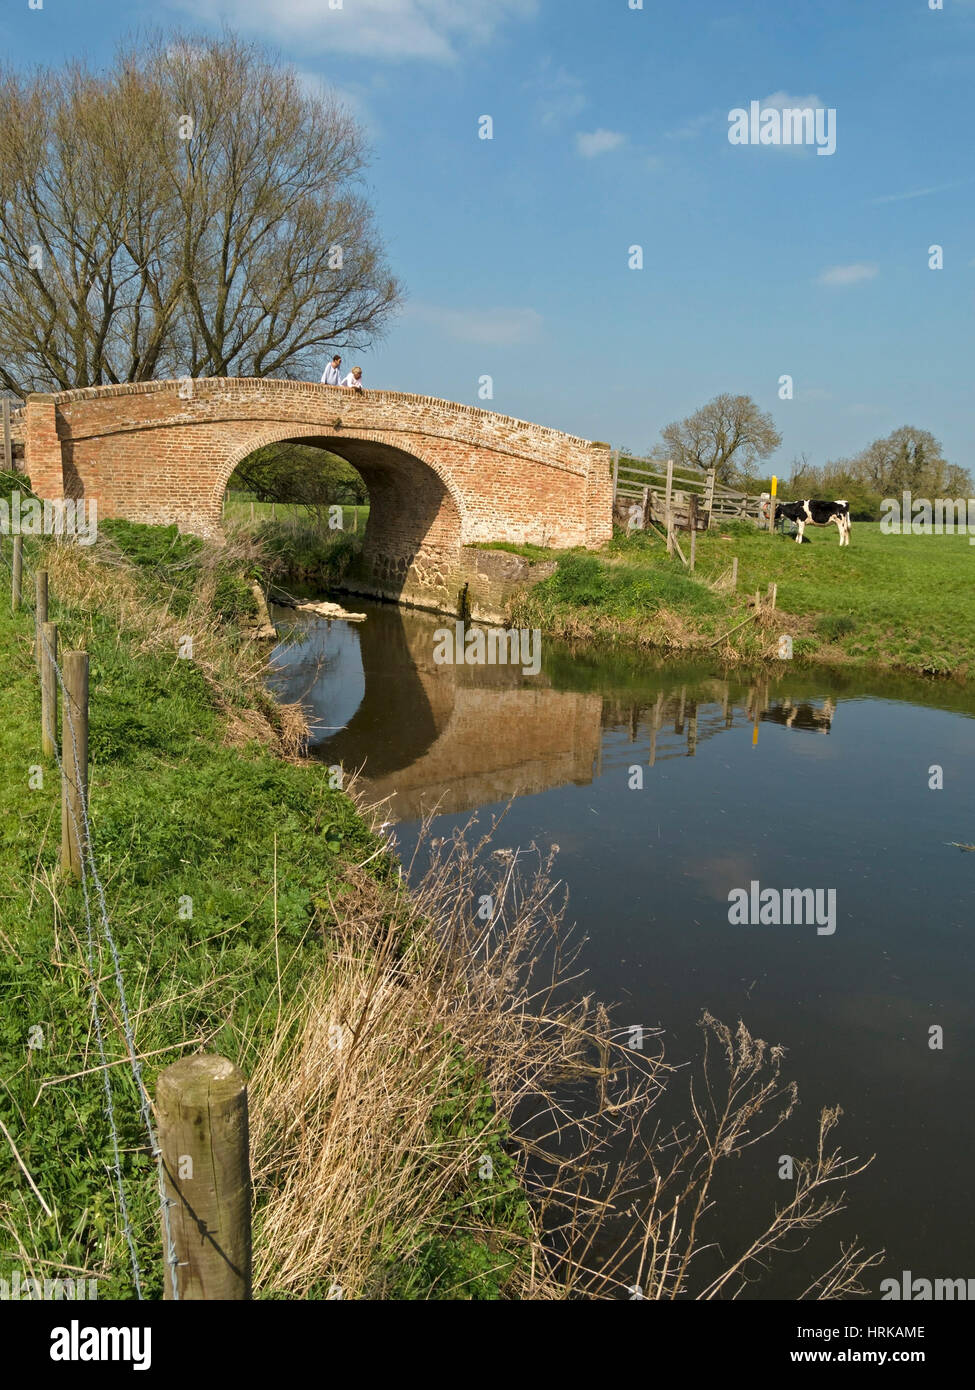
[{"x": 809, "y": 513}]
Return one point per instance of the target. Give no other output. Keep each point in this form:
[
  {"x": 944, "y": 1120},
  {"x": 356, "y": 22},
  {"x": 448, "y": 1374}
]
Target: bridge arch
[
  {"x": 442, "y": 476},
  {"x": 416, "y": 512}
]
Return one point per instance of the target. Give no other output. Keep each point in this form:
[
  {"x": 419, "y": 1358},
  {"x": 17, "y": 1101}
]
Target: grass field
[
  {"x": 902, "y": 602},
  {"x": 241, "y": 507}
]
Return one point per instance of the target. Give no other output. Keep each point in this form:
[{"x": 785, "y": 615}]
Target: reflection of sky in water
[
  {"x": 324, "y": 672},
  {"x": 834, "y": 794}
]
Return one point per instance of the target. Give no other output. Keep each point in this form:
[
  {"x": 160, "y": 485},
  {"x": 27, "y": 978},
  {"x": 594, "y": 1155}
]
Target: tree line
[{"x": 733, "y": 436}]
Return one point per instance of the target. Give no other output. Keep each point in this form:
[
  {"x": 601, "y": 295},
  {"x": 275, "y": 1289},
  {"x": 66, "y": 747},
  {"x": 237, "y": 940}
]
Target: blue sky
[{"x": 610, "y": 129}]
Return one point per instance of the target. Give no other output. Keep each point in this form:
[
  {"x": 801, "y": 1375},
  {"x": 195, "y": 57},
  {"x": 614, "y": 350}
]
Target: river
[{"x": 667, "y": 787}]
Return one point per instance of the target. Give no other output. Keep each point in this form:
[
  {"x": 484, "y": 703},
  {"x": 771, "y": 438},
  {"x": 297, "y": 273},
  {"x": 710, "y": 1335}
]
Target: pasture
[{"x": 899, "y": 601}]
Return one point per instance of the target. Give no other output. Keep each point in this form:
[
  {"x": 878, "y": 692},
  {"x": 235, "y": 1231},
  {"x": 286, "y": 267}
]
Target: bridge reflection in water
[{"x": 457, "y": 738}]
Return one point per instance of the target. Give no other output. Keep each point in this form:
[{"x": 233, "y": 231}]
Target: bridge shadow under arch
[
  {"x": 413, "y": 531},
  {"x": 378, "y": 660}
]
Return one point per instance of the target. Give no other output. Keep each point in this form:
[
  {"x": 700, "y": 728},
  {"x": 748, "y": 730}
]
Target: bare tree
[
  {"x": 195, "y": 210},
  {"x": 800, "y": 472},
  {"x": 729, "y": 434}
]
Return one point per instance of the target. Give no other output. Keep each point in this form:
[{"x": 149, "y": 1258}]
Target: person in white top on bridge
[
  {"x": 330, "y": 376},
  {"x": 354, "y": 379}
]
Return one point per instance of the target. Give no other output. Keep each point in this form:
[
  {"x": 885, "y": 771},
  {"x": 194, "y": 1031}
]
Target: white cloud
[
  {"x": 560, "y": 95},
  {"x": 495, "y": 327},
  {"x": 916, "y": 193},
  {"x": 716, "y": 120},
  {"x": 847, "y": 274},
  {"x": 436, "y": 30},
  {"x": 695, "y": 126},
  {"x": 782, "y": 101},
  {"x": 598, "y": 142}
]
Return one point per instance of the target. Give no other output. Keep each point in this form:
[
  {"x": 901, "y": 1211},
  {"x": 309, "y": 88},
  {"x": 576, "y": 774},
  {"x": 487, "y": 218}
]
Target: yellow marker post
[{"x": 771, "y": 505}]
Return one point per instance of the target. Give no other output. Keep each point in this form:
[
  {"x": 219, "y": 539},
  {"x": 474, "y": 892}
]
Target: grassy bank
[
  {"x": 254, "y": 912},
  {"x": 900, "y": 602}
]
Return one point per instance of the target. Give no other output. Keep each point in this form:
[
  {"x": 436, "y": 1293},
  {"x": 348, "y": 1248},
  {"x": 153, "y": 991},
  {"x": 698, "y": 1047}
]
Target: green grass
[
  {"x": 238, "y": 505},
  {"x": 905, "y": 602},
  {"x": 255, "y": 846},
  {"x": 306, "y": 555},
  {"x": 900, "y": 602},
  {"x": 176, "y": 816}
]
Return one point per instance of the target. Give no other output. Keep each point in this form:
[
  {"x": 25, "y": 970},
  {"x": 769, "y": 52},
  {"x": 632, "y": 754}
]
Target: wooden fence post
[
  {"x": 692, "y": 524},
  {"x": 709, "y": 496},
  {"x": 670, "y": 488},
  {"x": 74, "y": 762},
  {"x": 40, "y": 611},
  {"x": 18, "y": 570},
  {"x": 201, "y": 1105},
  {"x": 734, "y": 575},
  {"x": 616, "y": 472},
  {"x": 8, "y": 457},
  {"x": 49, "y": 689}
]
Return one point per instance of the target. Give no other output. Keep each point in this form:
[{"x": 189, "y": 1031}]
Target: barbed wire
[{"x": 84, "y": 839}]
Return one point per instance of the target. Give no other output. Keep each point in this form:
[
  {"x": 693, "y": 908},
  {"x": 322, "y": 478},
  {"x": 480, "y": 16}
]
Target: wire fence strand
[{"x": 90, "y": 875}]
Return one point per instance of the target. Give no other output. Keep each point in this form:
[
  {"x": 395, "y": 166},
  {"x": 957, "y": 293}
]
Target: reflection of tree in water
[{"x": 317, "y": 665}]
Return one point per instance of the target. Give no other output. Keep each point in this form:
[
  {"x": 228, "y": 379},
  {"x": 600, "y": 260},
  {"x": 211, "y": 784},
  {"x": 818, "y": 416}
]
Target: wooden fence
[
  {"x": 203, "y": 1149},
  {"x": 665, "y": 489}
]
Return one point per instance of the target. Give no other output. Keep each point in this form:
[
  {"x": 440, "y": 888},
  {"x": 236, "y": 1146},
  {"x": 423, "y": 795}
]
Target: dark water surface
[{"x": 802, "y": 780}]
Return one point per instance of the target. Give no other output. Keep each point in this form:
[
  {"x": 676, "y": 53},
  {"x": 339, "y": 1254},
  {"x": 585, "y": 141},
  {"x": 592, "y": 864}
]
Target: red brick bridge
[{"x": 440, "y": 476}]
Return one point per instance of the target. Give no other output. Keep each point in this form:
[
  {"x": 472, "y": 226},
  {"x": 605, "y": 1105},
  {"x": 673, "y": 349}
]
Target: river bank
[
  {"x": 887, "y": 603},
  {"x": 256, "y": 913},
  {"x": 884, "y": 603}
]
